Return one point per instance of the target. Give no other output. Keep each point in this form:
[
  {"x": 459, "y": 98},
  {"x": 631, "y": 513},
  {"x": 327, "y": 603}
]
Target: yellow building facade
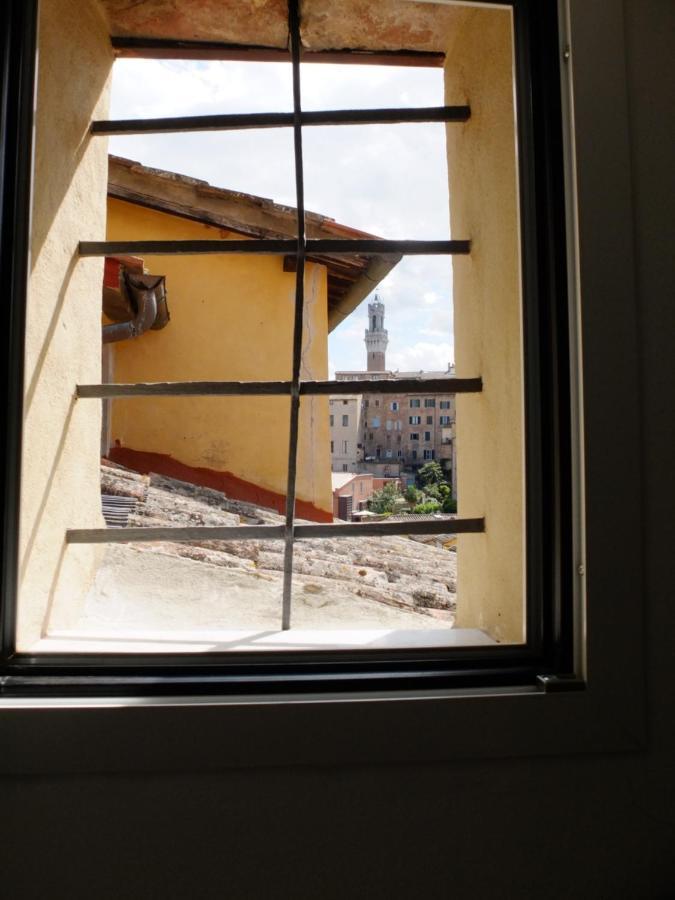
[{"x": 231, "y": 320}]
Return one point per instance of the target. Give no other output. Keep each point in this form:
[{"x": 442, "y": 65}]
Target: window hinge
[{"x": 557, "y": 683}]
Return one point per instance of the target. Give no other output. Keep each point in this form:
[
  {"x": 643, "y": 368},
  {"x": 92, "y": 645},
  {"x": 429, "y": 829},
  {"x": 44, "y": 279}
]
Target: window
[
  {"x": 427, "y": 435},
  {"x": 393, "y": 406},
  {"x": 430, "y": 420},
  {"x": 345, "y": 446},
  {"x": 345, "y": 467},
  {"x": 429, "y": 402},
  {"x": 428, "y": 454},
  {"x": 332, "y": 421},
  {"x": 390, "y": 424},
  {"x": 444, "y": 404},
  {"x": 387, "y": 453},
  {"x": 375, "y": 422},
  {"x": 398, "y": 425},
  {"x": 414, "y": 454},
  {"x": 331, "y": 446},
  {"x": 414, "y": 420},
  {"x": 444, "y": 420},
  {"x": 295, "y": 387},
  {"x": 399, "y": 453},
  {"x": 414, "y": 436},
  {"x": 345, "y": 420}
]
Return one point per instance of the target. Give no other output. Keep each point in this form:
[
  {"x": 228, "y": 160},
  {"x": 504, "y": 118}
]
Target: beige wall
[
  {"x": 60, "y": 483},
  {"x": 487, "y": 322}
]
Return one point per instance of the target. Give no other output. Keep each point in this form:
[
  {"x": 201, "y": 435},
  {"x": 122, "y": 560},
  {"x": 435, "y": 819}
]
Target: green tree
[
  {"x": 429, "y": 506},
  {"x": 384, "y": 501},
  {"x": 412, "y": 495},
  {"x": 430, "y": 474}
]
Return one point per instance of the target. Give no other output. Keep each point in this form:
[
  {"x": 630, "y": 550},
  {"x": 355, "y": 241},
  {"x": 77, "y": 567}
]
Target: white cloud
[{"x": 423, "y": 356}]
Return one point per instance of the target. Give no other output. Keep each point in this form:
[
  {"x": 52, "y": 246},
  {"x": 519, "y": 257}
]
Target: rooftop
[{"x": 350, "y": 278}]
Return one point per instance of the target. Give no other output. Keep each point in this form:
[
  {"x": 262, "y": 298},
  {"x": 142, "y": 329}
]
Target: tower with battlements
[{"x": 376, "y": 336}]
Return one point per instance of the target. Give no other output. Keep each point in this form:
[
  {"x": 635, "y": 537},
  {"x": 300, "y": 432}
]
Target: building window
[
  {"x": 393, "y": 406},
  {"x": 390, "y": 424},
  {"x": 430, "y": 420},
  {"x": 427, "y": 436},
  {"x": 376, "y": 422},
  {"x": 331, "y": 446},
  {"x": 387, "y": 453},
  {"x": 331, "y": 420},
  {"x": 345, "y": 420},
  {"x": 399, "y": 453},
  {"x": 414, "y": 454},
  {"x": 429, "y": 402},
  {"x": 414, "y": 420},
  {"x": 444, "y": 404},
  {"x": 444, "y": 420},
  {"x": 345, "y": 446},
  {"x": 345, "y": 467},
  {"x": 414, "y": 436},
  {"x": 304, "y": 247}
]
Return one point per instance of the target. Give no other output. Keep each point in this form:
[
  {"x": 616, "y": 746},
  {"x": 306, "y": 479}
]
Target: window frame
[{"x": 606, "y": 715}]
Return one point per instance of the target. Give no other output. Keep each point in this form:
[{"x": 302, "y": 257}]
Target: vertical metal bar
[{"x": 294, "y": 32}]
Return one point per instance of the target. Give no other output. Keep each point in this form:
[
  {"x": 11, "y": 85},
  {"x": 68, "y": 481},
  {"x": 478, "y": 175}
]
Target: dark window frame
[{"x": 548, "y": 651}]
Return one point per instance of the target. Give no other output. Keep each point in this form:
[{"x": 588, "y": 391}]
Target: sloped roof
[{"x": 350, "y": 277}]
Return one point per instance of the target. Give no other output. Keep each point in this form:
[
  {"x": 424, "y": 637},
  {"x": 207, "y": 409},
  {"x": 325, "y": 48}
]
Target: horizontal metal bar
[
  {"x": 394, "y": 386},
  {"x": 163, "y": 248},
  {"x": 386, "y": 247},
  {"x": 271, "y": 532},
  {"x": 281, "y": 388},
  {"x": 321, "y": 246},
  {"x": 244, "y": 121},
  {"x": 401, "y": 528},
  {"x": 167, "y": 48},
  {"x": 193, "y": 533},
  {"x": 184, "y": 389}
]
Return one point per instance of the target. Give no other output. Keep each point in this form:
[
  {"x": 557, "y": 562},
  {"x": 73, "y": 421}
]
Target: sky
[{"x": 389, "y": 180}]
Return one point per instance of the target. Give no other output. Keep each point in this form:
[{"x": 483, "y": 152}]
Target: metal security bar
[
  {"x": 300, "y": 249},
  {"x": 280, "y": 388},
  {"x": 244, "y": 121},
  {"x": 320, "y": 246},
  {"x": 169, "y": 48},
  {"x": 135, "y": 535}
]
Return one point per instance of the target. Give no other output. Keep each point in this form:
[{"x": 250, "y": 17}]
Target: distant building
[
  {"x": 400, "y": 432},
  {"x": 351, "y": 493},
  {"x": 346, "y": 448}
]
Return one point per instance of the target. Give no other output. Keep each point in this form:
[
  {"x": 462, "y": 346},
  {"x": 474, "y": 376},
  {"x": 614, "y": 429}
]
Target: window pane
[
  {"x": 343, "y": 86},
  {"x": 157, "y": 88},
  {"x": 387, "y": 180},
  {"x": 172, "y": 463}
]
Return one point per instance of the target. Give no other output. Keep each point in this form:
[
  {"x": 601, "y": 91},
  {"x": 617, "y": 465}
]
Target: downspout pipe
[{"x": 143, "y": 291}]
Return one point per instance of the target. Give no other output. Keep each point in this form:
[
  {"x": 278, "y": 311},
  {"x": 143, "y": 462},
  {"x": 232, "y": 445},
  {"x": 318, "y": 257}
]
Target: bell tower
[{"x": 376, "y": 336}]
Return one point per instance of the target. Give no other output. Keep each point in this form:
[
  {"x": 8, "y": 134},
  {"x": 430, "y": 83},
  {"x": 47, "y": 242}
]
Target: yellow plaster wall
[
  {"x": 487, "y": 325},
  {"x": 231, "y": 320},
  {"x": 60, "y": 477}
]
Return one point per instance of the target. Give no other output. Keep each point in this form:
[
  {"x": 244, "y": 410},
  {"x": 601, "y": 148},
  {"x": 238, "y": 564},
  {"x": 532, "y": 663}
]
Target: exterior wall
[
  {"x": 351, "y": 433},
  {"x": 231, "y": 319},
  {"x": 360, "y": 488},
  {"x": 379, "y": 439},
  {"x": 487, "y": 321},
  {"x": 60, "y": 477}
]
